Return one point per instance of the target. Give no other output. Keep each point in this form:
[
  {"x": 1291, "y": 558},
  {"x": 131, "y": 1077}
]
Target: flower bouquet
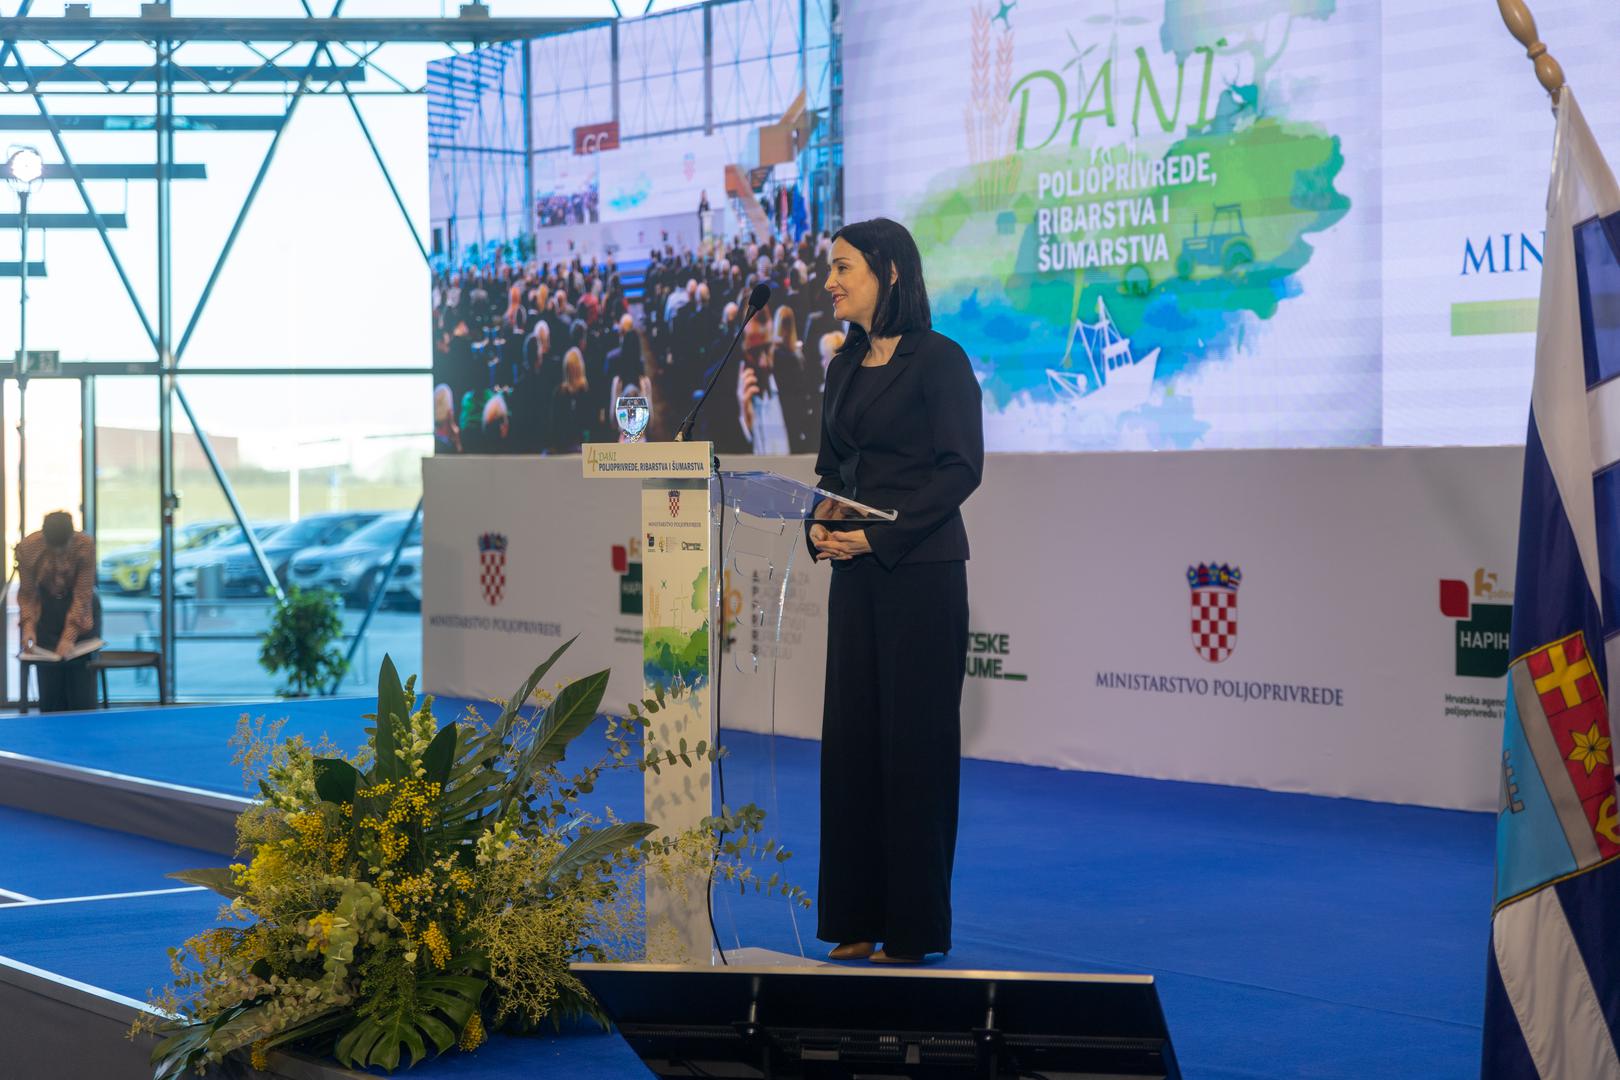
[{"x": 436, "y": 885}]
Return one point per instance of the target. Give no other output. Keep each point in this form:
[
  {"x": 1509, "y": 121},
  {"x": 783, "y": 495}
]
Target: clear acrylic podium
[{"x": 717, "y": 563}]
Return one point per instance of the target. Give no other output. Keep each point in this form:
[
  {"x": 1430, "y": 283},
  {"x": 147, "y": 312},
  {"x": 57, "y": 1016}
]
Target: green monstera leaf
[{"x": 435, "y": 1013}]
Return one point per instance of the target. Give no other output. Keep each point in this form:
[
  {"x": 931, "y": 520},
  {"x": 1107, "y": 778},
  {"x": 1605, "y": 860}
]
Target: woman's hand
[
  {"x": 836, "y": 545},
  {"x": 839, "y": 545}
]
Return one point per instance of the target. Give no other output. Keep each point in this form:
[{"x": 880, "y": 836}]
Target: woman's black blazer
[{"x": 916, "y": 446}]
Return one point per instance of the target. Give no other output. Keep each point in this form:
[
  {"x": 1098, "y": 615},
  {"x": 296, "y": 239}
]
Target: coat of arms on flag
[
  {"x": 1214, "y": 609},
  {"x": 492, "y": 566},
  {"x": 1552, "y": 989},
  {"x": 1565, "y": 722}
]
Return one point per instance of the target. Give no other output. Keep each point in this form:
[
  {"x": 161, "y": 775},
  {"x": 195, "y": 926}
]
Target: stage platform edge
[
  {"x": 54, "y": 1027},
  {"x": 171, "y": 813}
]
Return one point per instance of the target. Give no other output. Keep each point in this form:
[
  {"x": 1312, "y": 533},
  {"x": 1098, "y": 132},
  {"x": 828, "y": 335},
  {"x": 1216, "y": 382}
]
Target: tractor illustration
[{"x": 1225, "y": 245}]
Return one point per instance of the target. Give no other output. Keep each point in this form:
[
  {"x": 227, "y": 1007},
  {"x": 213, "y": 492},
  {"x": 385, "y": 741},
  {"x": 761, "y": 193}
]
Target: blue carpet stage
[{"x": 1292, "y": 935}]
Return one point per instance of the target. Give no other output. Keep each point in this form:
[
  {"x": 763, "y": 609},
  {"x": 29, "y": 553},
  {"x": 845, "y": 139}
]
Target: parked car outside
[
  {"x": 187, "y": 564},
  {"x": 129, "y": 570},
  {"x": 355, "y": 567},
  {"x": 406, "y": 584},
  {"x": 242, "y": 576}
]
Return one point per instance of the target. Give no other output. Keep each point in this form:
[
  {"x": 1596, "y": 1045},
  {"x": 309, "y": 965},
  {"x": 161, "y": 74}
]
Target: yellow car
[{"x": 130, "y": 570}]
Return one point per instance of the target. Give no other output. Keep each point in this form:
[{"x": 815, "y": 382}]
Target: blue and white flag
[{"x": 1552, "y": 996}]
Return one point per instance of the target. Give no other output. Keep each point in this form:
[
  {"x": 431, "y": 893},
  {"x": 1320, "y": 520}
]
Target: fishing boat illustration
[{"x": 1113, "y": 378}]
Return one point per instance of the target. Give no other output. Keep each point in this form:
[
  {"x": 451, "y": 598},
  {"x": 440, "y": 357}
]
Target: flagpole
[{"x": 1522, "y": 25}]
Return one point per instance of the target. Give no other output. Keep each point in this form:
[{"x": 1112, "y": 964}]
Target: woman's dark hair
[
  {"x": 58, "y": 527},
  {"x": 902, "y": 307}
]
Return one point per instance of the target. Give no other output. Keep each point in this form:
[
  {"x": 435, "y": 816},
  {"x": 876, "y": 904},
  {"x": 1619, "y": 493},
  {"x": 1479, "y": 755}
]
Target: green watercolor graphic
[
  {"x": 669, "y": 655},
  {"x": 1232, "y": 249}
]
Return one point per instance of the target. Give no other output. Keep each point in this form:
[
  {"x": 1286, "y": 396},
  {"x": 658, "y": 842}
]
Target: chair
[
  {"x": 126, "y": 659},
  {"x": 26, "y": 669}
]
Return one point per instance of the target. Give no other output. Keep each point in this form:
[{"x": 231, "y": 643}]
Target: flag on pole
[{"x": 1552, "y": 996}]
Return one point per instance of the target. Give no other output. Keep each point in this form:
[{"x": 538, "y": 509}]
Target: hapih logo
[
  {"x": 627, "y": 564},
  {"x": 1482, "y": 628},
  {"x": 675, "y": 503},
  {"x": 1214, "y": 609},
  {"x": 492, "y": 566}
]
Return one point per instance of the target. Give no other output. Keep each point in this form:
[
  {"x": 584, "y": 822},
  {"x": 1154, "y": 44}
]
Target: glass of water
[{"x": 632, "y": 411}]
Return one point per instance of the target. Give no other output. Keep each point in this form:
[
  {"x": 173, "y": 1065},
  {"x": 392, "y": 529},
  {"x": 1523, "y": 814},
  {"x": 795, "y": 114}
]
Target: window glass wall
[
  {"x": 661, "y": 74},
  {"x": 327, "y": 470},
  {"x": 126, "y": 523},
  {"x": 53, "y": 470},
  {"x": 323, "y": 272}
]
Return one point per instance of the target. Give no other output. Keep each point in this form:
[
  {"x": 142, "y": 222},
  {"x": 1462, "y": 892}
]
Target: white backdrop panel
[{"x": 1343, "y": 679}]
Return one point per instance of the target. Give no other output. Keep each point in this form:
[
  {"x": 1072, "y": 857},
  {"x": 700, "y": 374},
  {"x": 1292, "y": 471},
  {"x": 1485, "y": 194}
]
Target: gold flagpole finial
[{"x": 1522, "y": 25}]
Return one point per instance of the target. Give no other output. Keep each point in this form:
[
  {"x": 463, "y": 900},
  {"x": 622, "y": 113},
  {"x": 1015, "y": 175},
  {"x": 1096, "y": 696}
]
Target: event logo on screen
[
  {"x": 1131, "y": 197},
  {"x": 1214, "y": 609},
  {"x": 1482, "y": 628}
]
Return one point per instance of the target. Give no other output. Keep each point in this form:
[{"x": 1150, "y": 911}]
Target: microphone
[{"x": 756, "y": 301}]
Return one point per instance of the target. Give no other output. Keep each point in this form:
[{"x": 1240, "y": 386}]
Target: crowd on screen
[
  {"x": 531, "y": 358},
  {"x": 566, "y": 207}
]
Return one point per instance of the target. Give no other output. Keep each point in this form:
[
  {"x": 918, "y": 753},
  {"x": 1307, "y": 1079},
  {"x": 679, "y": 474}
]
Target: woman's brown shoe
[
  {"x": 883, "y": 957},
  {"x": 852, "y": 950}
]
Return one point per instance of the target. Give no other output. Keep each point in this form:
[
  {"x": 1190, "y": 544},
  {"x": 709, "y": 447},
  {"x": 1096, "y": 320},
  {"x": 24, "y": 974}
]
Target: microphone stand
[{"x": 715, "y": 583}]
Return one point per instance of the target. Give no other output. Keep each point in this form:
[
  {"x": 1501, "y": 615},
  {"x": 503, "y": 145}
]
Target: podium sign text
[{"x": 638, "y": 461}]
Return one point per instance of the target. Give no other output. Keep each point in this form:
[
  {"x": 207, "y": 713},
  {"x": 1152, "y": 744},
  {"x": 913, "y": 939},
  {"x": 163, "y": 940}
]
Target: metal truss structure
[
  {"x": 722, "y": 67},
  {"x": 173, "y": 65}
]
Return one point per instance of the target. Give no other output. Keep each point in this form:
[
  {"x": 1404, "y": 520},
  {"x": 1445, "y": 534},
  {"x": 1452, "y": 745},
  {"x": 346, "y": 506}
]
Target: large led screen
[{"x": 1168, "y": 224}]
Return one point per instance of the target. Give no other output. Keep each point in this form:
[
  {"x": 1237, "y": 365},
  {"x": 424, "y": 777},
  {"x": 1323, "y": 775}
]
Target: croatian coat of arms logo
[
  {"x": 1214, "y": 609},
  {"x": 675, "y": 503},
  {"x": 492, "y": 566}
]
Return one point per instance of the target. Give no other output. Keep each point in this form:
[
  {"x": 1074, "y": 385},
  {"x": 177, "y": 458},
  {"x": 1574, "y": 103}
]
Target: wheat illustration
[
  {"x": 1007, "y": 163},
  {"x": 985, "y": 124},
  {"x": 978, "y": 112}
]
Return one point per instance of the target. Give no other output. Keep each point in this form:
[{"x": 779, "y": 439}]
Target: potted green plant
[{"x": 300, "y": 641}]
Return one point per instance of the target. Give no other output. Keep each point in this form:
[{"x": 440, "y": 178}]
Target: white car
[{"x": 407, "y": 580}]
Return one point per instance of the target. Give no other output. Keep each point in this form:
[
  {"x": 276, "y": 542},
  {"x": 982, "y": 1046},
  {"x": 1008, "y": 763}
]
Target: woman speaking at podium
[{"x": 901, "y": 429}]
